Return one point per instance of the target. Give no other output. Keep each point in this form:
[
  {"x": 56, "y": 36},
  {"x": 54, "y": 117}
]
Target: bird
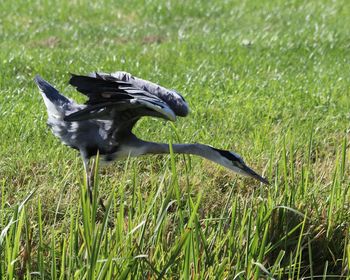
[{"x": 104, "y": 124}]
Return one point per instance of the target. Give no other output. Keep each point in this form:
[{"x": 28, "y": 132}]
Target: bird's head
[{"x": 235, "y": 162}]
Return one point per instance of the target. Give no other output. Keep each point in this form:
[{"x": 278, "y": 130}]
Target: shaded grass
[{"x": 267, "y": 79}]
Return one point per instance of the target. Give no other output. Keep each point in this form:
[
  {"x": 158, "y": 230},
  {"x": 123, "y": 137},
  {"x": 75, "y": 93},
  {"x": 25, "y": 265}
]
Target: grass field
[{"x": 267, "y": 79}]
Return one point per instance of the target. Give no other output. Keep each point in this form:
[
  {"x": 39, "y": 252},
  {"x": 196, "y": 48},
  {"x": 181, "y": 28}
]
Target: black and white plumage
[{"x": 115, "y": 103}]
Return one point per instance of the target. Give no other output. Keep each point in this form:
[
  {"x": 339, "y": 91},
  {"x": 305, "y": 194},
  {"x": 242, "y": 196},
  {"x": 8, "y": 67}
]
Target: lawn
[{"x": 269, "y": 80}]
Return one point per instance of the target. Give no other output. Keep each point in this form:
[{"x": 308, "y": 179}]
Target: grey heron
[{"x": 115, "y": 103}]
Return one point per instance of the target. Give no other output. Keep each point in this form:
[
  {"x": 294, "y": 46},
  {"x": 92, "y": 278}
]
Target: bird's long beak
[{"x": 251, "y": 173}]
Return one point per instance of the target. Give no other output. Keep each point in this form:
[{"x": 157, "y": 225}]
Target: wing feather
[
  {"x": 124, "y": 99},
  {"x": 111, "y": 95},
  {"x": 173, "y": 98}
]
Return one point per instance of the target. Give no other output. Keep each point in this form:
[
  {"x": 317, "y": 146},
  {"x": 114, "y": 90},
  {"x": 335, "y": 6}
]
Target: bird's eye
[
  {"x": 241, "y": 161},
  {"x": 237, "y": 158}
]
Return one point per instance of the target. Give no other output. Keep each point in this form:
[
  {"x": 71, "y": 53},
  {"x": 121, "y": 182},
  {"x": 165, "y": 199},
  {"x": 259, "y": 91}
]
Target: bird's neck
[{"x": 192, "y": 149}]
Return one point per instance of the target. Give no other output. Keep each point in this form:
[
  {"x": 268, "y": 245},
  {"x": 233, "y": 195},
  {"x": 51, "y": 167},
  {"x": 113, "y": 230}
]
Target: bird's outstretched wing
[
  {"x": 173, "y": 99},
  {"x": 119, "y": 94}
]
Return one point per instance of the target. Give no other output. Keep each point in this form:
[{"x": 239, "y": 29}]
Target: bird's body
[
  {"x": 110, "y": 133},
  {"x": 115, "y": 103}
]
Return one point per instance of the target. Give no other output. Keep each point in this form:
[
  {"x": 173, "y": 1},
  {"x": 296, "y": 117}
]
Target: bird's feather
[
  {"x": 101, "y": 88},
  {"x": 174, "y": 99},
  {"x": 116, "y": 99},
  {"x": 134, "y": 109},
  {"x": 56, "y": 103}
]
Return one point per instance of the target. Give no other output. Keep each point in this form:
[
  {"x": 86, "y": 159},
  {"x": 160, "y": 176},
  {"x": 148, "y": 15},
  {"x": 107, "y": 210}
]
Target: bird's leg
[
  {"x": 88, "y": 177},
  {"x": 91, "y": 184},
  {"x": 92, "y": 175},
  {"x": 102, "y": 205}
]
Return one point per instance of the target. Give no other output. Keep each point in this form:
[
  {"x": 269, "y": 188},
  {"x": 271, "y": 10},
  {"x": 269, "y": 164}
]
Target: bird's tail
[{"x": 55, "y": 102}]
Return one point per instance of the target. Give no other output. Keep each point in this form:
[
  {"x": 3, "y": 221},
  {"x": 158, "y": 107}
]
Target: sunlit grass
[{"x": 267, "y": 79}]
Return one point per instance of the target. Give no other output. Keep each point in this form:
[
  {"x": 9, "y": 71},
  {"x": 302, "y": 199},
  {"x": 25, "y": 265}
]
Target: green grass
[{"x": 267, "y": 79}]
